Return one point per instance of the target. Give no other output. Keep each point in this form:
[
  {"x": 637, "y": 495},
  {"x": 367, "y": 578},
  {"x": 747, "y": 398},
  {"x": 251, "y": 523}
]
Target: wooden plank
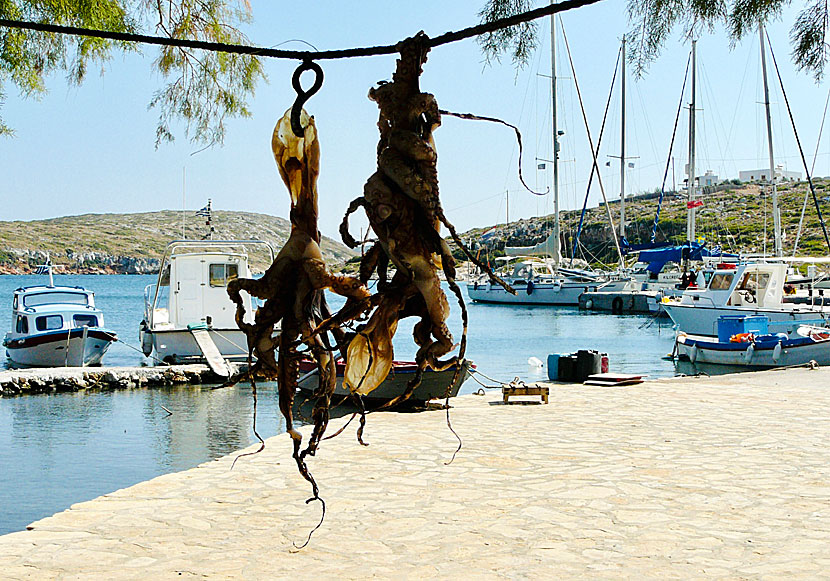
[
  {"x": 211, "y": 352},
  {"x": 612, "y": 383},
  {"x": 615, "y": 377}
]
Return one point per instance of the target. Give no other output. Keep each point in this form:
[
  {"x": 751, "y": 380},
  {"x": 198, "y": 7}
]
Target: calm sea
[{"x": 56, "y": 450}]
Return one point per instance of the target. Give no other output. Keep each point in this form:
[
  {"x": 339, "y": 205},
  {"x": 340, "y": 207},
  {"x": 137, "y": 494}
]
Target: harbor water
[{"x": 60, "y": 449}]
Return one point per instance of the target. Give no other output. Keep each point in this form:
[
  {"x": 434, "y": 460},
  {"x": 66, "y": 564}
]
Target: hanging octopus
[
  {"x": 292, "y": 289},
  {"x": 401, "y": 201}
]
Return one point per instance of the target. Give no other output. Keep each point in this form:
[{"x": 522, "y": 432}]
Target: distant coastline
[{"x": 134, "y": 243}]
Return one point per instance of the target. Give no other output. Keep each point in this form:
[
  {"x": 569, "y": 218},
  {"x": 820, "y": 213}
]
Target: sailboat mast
[
  {"x": 555, "y": 141},
  {"x": 692, "y": 210},
  {"x": 622, "y": 146},
  {"x": 776, "y": 216}
]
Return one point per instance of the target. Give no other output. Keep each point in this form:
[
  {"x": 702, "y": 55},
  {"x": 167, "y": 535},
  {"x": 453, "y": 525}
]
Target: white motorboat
[
  {"x": 537, "y": 282},
  {"x": 56, "y": 326},
  {"x": 744, "y": 288},
  {"x": 188, "y": 315}
]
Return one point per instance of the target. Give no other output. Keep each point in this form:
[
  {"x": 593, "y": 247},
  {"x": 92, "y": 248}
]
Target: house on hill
[{"x": 761, "y": 175}]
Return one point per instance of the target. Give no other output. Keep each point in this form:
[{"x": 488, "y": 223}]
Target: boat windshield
[
  {"x": 55, "y": 297},
  {"x": 721, "y": 281}
]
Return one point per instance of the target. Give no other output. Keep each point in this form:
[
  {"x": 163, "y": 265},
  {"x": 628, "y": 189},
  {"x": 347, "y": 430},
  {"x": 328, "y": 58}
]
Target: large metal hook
[{"x": 303, "y": 96}]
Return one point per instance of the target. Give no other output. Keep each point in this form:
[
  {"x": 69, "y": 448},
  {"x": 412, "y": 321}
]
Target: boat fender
[
  {"x": 749, "y": 352},
  {"x": 589, "y": 304},
  {"x": 617, "y": 306},
  {"x": 776, "y": 352},
  {"x": 530, "y": 287},
  {"x": 145, "y": 338},
  {"x": 693, "y": 354}
]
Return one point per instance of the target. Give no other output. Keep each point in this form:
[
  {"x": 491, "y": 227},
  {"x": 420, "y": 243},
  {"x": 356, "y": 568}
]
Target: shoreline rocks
[{"x": 15, "y": 382}]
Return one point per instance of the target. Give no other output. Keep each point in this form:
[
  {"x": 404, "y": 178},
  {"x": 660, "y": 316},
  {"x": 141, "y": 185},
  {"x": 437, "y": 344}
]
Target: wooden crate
[{"x": 509, "y": 391}]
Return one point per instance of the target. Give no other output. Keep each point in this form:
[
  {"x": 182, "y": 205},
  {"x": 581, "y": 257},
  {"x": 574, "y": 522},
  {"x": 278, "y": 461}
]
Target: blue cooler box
[
  {"x": 553, "y": 367},
  {"x": 729, "y": 325}
]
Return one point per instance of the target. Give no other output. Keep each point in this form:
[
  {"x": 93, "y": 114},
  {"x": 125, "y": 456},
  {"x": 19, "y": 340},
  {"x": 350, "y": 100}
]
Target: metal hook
[{"x": 303, "y": 96}]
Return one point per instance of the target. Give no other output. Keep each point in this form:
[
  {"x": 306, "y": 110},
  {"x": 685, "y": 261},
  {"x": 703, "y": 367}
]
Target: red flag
[{"x": 694, "y": 204}]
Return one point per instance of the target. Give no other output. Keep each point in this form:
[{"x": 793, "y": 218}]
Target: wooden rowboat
[{"x": 434, "y": 385}]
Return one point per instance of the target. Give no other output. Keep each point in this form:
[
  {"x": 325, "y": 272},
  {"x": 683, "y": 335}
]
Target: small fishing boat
[
  {"x": 434, "y": 385},
  {"x": 756, "y": 349},
  {"x": 188, "y": 316},
  {"x": 56, "y": 326}
]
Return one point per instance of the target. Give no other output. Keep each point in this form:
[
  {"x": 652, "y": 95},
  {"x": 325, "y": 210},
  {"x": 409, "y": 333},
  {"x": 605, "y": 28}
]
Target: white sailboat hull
[{"x": 565, "y": 294}]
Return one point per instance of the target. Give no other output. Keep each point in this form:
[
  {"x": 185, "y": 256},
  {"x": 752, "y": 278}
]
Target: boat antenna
[{"x": 184, "y": 205}]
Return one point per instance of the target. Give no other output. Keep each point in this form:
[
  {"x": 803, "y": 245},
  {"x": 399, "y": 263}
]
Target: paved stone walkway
[{"x": 725, "y": 477}]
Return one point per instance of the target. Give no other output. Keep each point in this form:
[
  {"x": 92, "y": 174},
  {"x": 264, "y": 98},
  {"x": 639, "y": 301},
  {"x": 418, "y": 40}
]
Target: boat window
[
  {"x": 85, "y": 320},
  {"x": 49, "y": 322},
  {"x": 49, "y": 298},
  {"x": 165, "y": 276},
  {"x": 755, "y": 280},
  {"x": 721, "y": 281},
  {"x": 22, "y": 324},
  {"x": 220, "y": 274}
]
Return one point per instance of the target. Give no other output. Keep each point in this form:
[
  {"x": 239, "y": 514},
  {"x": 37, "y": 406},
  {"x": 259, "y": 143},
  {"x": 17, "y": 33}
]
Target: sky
[{"x": 92, "y": 149}]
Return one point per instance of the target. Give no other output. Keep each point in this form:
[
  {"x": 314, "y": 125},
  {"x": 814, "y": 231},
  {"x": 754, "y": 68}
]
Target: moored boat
[
  {"x": 434, "y": 385},
  {"x": 188, "y": 315},
  {"x": 756, "y": 349},
  {"x": 56, "y": 326}
]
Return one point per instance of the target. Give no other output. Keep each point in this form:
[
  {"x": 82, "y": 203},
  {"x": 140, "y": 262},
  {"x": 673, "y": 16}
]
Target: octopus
[
  {"x": 402, "y": 203},
  {"x": 292, "y": 291}
]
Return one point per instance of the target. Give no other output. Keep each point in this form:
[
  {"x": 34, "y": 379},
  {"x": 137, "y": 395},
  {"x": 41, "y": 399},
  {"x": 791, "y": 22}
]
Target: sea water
[{"x": 59, "y": 449}]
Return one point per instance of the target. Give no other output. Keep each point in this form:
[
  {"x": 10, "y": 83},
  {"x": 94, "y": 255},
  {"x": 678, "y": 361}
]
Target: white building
[
  {"x": 762, "y": 175},
  {"x": 708, "y": 179}
]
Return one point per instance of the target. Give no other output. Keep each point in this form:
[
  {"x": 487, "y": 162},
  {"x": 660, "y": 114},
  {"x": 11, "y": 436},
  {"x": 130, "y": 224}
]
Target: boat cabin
[
  {"x": 754, "y": 284},
  {"x": 48, "y": 308},
  {"x": 192, "y": 287}
]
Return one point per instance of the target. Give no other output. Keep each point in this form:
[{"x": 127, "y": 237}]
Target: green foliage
[
  {"x": 653, "y": 21},
  {"x": 203, "y": 88},
  {"x": 519, "y": 40}
]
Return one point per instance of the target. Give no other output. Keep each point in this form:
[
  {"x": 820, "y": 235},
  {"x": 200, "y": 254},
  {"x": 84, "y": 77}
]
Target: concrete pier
[
  {"x": 721, "y": 477},
  {"x": 49, "y": 380}
]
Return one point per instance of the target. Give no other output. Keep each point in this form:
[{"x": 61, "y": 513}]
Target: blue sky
[{"x": 91, "y": 149}]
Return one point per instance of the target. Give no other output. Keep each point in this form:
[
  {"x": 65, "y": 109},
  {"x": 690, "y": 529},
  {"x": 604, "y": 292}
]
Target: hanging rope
[
  {"x": 445, "y": 38},
  {"x": 800, "y": 149}
]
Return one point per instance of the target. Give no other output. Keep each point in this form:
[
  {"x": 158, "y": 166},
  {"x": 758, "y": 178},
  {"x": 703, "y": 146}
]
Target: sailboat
[
  {"x": 535, "y": 272},
  {"x": 748, "y": 287}
]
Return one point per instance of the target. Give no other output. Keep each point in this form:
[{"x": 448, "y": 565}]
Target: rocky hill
[
  {"x": 736, "y": 217},
  {"x": 134, "y": 243}
]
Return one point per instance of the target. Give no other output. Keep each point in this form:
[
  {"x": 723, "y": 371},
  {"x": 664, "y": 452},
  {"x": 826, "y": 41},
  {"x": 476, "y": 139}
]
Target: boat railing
[
  {"x": 149, "y": 297},
  {"x": 204, "y": 244}
]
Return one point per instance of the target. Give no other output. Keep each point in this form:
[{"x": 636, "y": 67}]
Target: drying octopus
[
  {"x": 292, "y": 289},
  {"x": 402, "y": 204}
]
